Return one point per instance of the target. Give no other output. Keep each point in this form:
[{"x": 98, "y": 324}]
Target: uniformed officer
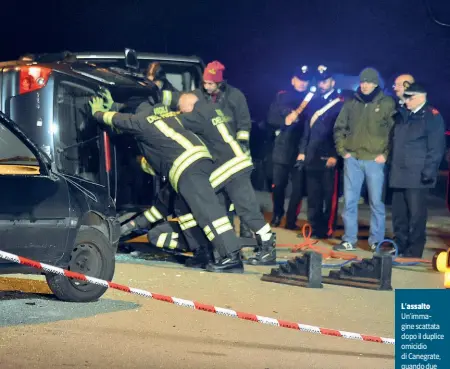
[
  {"x": 418, "y": 146},
  {"x": 231, "y": 176},
  {"x": 289, "y": 106},
  {"x": 318, "y": 153},
  {"x": 174, "y": 152},
  {"x": 217, "y": 90}
]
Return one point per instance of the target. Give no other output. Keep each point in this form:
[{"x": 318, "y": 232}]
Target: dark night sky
[{"x": 258, "y": 41}]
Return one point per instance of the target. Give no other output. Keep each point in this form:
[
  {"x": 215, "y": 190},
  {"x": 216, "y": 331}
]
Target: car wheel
[{"x": 91, "y": 255}]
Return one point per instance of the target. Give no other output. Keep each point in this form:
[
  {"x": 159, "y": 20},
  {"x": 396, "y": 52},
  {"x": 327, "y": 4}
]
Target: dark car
[{"x": 64, "y": 180}]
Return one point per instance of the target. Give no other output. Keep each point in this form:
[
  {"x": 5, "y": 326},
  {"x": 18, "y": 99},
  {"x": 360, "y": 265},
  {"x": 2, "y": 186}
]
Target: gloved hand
[
  {"x": 107, "y": 98},
  {"x": 245, "y": 147},
  {"x": 299, "y": 164},
  {"x": 426, "y": 180},
  {"x": 96, "y": 104}
]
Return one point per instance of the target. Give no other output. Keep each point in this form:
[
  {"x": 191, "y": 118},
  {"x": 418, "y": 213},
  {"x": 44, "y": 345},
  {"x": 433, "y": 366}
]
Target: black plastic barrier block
[
  {"x": 375, "y": 274},
  {"x": 304, "y": 271}
]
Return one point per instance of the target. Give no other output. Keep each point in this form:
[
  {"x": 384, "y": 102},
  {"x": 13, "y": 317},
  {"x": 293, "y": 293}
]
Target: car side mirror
[{"x": 131, "y": 60}]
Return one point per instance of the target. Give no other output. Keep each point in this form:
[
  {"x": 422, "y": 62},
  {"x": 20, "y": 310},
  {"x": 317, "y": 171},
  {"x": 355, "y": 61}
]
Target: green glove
[
  {"x": 107, "y": 98},
  {"x": 97, "y": 105}
]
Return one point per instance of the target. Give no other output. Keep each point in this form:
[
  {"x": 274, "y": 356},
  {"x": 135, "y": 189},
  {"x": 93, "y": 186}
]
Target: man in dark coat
[
  {"x": 317, "y": 152},
  {"x": 418, "y": 146},
  {"x": 287, "y": 115}
]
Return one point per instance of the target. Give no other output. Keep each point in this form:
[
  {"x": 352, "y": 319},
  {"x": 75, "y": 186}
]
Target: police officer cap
[
  {"x": 303, "y": 73},
  {"x": 414, "y": 89},
  {"x": 323, "y": 73}
]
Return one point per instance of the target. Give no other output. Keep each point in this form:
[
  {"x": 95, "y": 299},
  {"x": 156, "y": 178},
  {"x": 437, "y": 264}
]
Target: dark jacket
[
  {"x": 168, "y": 148},
  {"x": 233, "y": 99},
  {"x": 287, "y": 138},
  {"x": 363, "y": 128},
  {"x": 167, "y": 96},
  {"x": 418, "y": 146},
  {"x": 317, "y": 143},
  {"x": 214, "y": 126}
]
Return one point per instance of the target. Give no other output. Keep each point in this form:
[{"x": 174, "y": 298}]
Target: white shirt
[
  {"x": 418, "y": 108},
  {"x": 328, "y": 94}
]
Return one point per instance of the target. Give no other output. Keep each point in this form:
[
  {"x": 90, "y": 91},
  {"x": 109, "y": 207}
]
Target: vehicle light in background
[
  {"x": 33, "y": 78},
  {"x": 447, "y": 272}
]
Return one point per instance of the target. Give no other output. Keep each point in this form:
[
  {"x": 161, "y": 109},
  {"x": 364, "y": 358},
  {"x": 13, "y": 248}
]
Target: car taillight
[{"x": 33, "y": 78}]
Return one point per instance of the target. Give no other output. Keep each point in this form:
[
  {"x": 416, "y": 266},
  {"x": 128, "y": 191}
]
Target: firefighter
[
  {"x": 158, "y": 212},
  {"x": 289, "y": 106},
  {"x": 215, "y": 89},
  {"x": 233, "y": 166},
  {"x": 317, "y": 152},
  {"x": 168, "y": 93},
  {"x": 174, "y": 152}
]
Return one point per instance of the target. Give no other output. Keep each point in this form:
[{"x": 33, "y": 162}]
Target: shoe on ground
[
  {"x": 291, "y": 226},
  {"x": 229, "y": 264},
  {"x": 344, "y": 246},
  {"x": 266, "y": 254},
  {"x": 276, "y": 221},
  {"x": 200, "y": 259}
]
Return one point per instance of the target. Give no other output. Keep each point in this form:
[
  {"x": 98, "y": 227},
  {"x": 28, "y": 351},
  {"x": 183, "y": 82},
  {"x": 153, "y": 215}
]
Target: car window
[
  {"x": 183, "y": 76},
  {"x": 15, "y": 157},
  {"x": 78, "y": 136},
  {"x": 104, "y": 75}
]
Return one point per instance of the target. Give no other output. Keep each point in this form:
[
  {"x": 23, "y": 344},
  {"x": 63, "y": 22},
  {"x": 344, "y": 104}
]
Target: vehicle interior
[
  {"x": 78, "y": 148},
  {"x": 15, "y": 157}
]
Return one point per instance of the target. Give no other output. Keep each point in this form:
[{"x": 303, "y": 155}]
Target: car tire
[{"x": 92, "y": 255}]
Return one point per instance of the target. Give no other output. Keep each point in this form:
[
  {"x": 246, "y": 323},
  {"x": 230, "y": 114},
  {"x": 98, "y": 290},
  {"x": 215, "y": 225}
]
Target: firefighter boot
[
  {"x": 140, "y": 222},
  {"x": 202, "y": 257},
  {"x": 244, "y": 230},
  {"x": 266, "y": 254},
  {"x": 229, "y": 264}
]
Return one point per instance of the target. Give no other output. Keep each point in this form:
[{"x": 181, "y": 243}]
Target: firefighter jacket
[
  {"x": 287, "y": 138},
  {"x": 233, "y": 99},
  {"x": 167, "y": 96},
  {"x": 215, "y": 127},
  {"x": 317, "y": 143},
  {"x": 168, "y": 148}
]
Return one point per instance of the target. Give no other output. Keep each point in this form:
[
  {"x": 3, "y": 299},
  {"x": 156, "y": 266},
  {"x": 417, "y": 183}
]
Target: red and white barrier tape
[{"x": 197, "y": 305}]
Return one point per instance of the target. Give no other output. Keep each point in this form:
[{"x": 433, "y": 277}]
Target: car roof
[{"x": 144, "y": 56}]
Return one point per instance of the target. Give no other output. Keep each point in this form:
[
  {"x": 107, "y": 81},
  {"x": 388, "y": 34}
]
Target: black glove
[
  {"x": 299, "y": 164},
  {"x": 427, "y": 180},
  {"x": 245, "y": 147}
]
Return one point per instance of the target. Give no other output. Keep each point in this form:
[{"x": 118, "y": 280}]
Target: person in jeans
[{"x": 361, "y": 134}]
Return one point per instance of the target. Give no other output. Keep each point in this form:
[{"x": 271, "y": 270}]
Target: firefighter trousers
[
  {"x": 239, "y": 191},
  {"x": 323, "y": 192},
  {"x": 281, "y": 174},
  {"x": 163, "y": 206},
  {"x": 196, "y": 190},
  {"x": 409, "y": 220}
]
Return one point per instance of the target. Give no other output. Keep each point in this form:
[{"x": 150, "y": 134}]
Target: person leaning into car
[{"x": 174, "y": 152}]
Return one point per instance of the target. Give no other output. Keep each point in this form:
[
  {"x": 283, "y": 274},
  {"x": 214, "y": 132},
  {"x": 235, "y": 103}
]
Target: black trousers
[
  {"x": 240, "y": 192},
  {"x": 323, "y": 192},
  {"x": 409, "y": 219},
  {"x": 196, "y": 190},
  {"x": 281, "y": 174}
]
